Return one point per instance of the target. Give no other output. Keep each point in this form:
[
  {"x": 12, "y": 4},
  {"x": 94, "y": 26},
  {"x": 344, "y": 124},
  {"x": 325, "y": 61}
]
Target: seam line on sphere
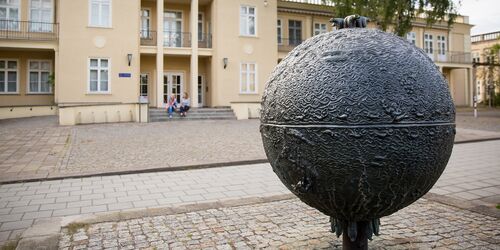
[{"x": 358, "y": 125}]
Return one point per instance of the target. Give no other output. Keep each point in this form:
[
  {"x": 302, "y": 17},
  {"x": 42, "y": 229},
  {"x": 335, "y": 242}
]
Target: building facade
[
  {"x": 481, "y": 53},
  {"x": 93, "y": 61}
]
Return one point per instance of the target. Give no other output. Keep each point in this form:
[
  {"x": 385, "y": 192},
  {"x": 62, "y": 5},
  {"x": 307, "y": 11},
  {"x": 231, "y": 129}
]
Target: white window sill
[
  {"x": 39, "y": 93},
  {"x": 99, "y": 27},
  {"x": 9, "y": 93},
  {"x": 249, "y": 36},
  {"x": 98, "y": 93},
  {"x": 249, "y": 93}
]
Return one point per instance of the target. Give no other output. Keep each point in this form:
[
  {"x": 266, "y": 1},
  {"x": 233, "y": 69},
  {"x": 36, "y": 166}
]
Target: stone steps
[{"x": 159, "y": 115}]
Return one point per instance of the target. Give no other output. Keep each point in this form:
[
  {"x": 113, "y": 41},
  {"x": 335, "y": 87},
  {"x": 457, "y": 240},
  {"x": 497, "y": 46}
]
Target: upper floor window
[
  {"x": 39, "y": 72},
  {"x": 295, "y": 32},
  {"x": 200, "y": 27},
  {"x": 99, "y": 75},
  {"x": 428, "y": 44},
  {"x": 8, "y": 76},
  {"x": 145, "y": 23},
  {"x": 143, "y": 84},
  {"x": 248, "y": 78},
  {"x": 100, "y": 13},
  {"x": 248, "y": 21},
  {"x": 9, "y": 14},
  {"x": 41, "y": 15},
  {"x": 441, "y": 44},
  {"x": 411, "y": 37},
  {"x": 320, "y": 28},
  {"x": 279, "y": 29}
]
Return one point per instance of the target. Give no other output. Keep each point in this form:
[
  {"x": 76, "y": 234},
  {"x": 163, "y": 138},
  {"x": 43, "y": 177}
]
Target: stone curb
[
  {"x": 45, "y": 233},
  {"x": 183, "y": 168},
  {"x": 472, "y": 206}
]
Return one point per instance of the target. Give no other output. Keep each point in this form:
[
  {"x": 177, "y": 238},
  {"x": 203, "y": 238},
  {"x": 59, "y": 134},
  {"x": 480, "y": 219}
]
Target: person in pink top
[{"x": 171, "y": 105}]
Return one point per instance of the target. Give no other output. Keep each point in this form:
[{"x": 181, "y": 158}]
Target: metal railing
[
  {"x": 486, "y": 37},
  {"x": 175, "y": 39},
  {"x": 27, "y": 30},
  {"x": 148, "y": 37},
  {"x": 287, "y": 44},
  {"x": 318, "y": 2},
  {"x": 205, "y": 41},
  {"x": 452, "y": 57}
]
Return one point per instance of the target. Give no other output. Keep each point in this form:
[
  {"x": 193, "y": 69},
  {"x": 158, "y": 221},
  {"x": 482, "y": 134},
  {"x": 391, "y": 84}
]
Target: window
[
  {"x": 411, "y": 37},
  {"x": 295, "y": 32},
  {"x": 441, "y": 43},
  {"x": 99, "y": 75},
  {"x": 428, "y": 44},
  {"x": 320, "y": 28},
  {"x": 100, "y": 13},
  {"x": 143, "y": 85},
  {"x": 200, "y": 27},
  {"x": 41, "y": 15},
  {"x": 279, "y": 29},
  {"x": 9, "y": 14},
  {"x": 38, "y": 76},
  {"x": 145, "y": 23},
  {"x": 248, "y": 21},
  {"x": 8, "y": 76},
  {"x": 248, "y": 78},
  {"x": 476, "y": 58}
]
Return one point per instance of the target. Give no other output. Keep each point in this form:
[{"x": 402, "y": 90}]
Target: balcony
[
  {"x": 287, "y": 44},
  {"x": 175, "y": 39},
  {"x": 26, "y": 30},
  {"x": 452, "y": 57},
  {"x": 317, "y": 2}
]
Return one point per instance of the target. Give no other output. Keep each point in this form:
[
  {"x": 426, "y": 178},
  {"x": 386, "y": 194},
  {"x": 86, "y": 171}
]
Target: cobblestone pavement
[
  {"x": 39, "y": 148},
  {"x": 472, "y": 174},
  {"x": 288, "y": 224}
]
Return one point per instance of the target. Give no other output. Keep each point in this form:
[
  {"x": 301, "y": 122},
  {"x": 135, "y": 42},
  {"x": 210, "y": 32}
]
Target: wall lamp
[
  {"x": 225, "y": 60},
  {"x": 265, "y": 3},
  {"x": 129, "y": 57}
]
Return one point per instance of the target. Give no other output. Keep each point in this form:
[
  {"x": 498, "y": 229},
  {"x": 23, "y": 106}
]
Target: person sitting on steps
[
  {"x": 184, "y": 104},
  {"x": 171, "y": 105}
]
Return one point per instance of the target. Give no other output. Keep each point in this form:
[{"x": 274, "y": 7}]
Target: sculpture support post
[{"x": 361, "y": 242}]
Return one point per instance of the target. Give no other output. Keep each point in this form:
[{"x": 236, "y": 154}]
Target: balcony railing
[
  {"x": 486, "y": 37},
  {"x": 287, "y": 44},
  {"x": 175, "y": 39},
  {"x": 205, "y": 40},
  {"x": 318, "y": 2},
  {"x": 148, "y": 38},
  {"x": 26, "y": 30},
  {"x": 452, "y": 57}
]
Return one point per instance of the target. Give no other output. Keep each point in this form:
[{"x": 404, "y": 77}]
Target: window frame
[
  {"x": 320, "y": 29},
  {"x": 8, "y": 7},
  {"x": 141, "y": 84},
  {"x": 30, "y": 7},
  {"x": 89, "y": 68},
  {"x": 441, "y": 45},
  {"x": 146, "y": 34},
  {"x": 6, "y": 70},
  {"x": 411, "y": 37},
  {"x": 39, "y": 71},
  {"x": 247, "y": 32},
  {"x": 429, "y": 39},
  {"x": 202, "y": 22},
  {"x": 247, "y": 73},
  {"x": 280, "y": 27},
  {"x": 110, "y": 15}
]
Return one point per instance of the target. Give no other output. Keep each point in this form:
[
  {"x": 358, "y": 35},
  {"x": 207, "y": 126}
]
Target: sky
[{"x": 483, "y": 14}]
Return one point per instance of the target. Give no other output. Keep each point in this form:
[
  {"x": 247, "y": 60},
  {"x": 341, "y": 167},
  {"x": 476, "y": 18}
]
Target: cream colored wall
[
  {"x": 78, "y": 42},
  {"x": 262, "y": 49},
  {"x": 73, "y": 115},
  {"x": 23, "y": 98},
  {"x": 18, "y": 112},
  {"x": 307, "y": 23},
  {"x": 148, "y": 66},
  {"x": 458, "y": 86}
]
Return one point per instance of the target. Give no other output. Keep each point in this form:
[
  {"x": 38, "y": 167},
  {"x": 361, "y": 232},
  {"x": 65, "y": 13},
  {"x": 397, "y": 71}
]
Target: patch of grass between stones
[
  {"x": 75, "y": 226},
  {"x": 498, "y": 206},
  {"x": 10, "y": 245}
]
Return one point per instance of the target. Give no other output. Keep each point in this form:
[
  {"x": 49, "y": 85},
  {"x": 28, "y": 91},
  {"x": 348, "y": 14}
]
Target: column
[
  {"x": 470, "y": 88},
  {"x": 159, "y": 53},
  {"x": 194, "y": 53}
]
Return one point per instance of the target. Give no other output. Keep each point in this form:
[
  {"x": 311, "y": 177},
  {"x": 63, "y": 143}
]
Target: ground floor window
[
  {"x": 144, "y": 84},
  {"x": 39, "y": 75},
  {"x": 248, "y": 78},
  {"x": 8, "y": 76},
  {"x": 99, "y": 75}
]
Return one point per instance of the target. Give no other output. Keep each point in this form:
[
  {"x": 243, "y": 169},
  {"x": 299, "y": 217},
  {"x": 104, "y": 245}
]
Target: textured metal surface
[{"x": 358, "y": 123}]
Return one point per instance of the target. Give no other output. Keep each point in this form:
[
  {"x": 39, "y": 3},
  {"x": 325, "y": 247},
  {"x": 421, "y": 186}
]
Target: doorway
[
  {"x": 201, "y": 91},
  {"x": 173, "y": 83},
  {"x": 172, "y": 25}
]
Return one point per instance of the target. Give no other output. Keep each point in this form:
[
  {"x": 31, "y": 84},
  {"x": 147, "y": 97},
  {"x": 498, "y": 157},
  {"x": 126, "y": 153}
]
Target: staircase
[{"x": 225, "y": 113}]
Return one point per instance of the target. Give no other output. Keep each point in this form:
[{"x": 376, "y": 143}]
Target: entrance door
[
  {"x": 172, "y": 25},
  {"x": 201, "y": 91},
  {"x": 173, "y": 83}
]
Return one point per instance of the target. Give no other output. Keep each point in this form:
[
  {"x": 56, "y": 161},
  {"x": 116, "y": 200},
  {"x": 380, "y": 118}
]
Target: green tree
[
  {"x": 398, "y": 13},
  {"x": 491, "y": 74}
]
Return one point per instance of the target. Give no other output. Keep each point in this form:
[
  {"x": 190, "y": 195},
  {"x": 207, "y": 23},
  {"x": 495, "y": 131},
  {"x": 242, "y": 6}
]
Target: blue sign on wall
[{"x": 124, "y": 75}]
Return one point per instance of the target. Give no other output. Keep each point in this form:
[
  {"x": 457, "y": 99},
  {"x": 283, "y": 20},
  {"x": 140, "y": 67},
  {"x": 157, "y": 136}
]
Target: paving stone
[
  {"x": 94, "y": 209},
  {"x": 66, "y": 212}
]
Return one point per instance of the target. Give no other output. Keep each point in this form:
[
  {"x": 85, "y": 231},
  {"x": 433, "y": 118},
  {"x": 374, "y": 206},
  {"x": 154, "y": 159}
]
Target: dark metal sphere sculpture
[{"x": 358, "y": 123}]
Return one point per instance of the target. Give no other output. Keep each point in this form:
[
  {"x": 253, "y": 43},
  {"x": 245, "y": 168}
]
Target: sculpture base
[{"x": 361, "y": 241}]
